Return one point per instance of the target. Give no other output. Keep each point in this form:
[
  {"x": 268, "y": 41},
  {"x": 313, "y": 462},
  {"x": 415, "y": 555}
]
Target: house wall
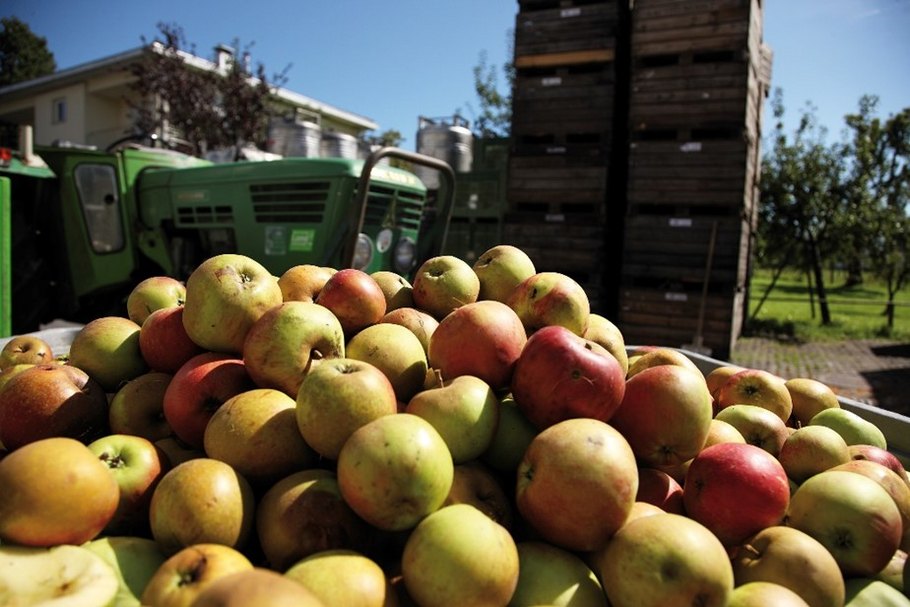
[{"x": 72, "y": 126}]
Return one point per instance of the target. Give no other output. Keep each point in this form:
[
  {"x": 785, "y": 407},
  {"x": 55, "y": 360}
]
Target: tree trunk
[
  {"x": 777, "y": 272},
  {"x": 854, "y": 272},
  {"x": 818, "y": 272}
]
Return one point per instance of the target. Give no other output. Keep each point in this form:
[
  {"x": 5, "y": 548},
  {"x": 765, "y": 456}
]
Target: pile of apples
[{"x": 476, "y": 436}]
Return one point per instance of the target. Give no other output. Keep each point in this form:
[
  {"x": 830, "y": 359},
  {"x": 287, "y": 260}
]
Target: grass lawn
[{"x": 856, "y": 312}]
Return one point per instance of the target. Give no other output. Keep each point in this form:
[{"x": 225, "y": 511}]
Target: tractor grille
[
  {"x": 405, "y": 213},
  {"x": 205, "y": 214},
  {"x": 289, "y": 202}
]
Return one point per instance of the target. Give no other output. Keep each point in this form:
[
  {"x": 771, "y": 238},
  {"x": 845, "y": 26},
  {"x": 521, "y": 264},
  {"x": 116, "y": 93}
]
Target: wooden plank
[{"x": 565, "y": 58}]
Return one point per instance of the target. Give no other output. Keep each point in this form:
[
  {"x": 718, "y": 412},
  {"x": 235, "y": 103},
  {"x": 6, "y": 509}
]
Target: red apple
[
  {"x": 355, "y": 298},
  {"x": 736, "y": 490},
  {"x": 551, "y": 298},
  {"x": 196, "y": 391},
  {"x": 258, "y": 586},
  {"x": 476, "y": 484},
  {"x": 560, "y": 375},
  {"x": 164, "y": 342},
  {"x": 304, "y": 282},
  {"x": 756, "y": 387},
  {"x": 51, "y": 400},
  {"x": 665, "y": 415},
  {"x": 660, "y": 489},
  {"x": 660, "y": 356},
  {"x": 417, "y": 321},
  {"x": 483, "y": 339},
  {"x": 877, "y": 454},
  {"x": 185, "y": 574},
  {"x": 576, "y": 483}
]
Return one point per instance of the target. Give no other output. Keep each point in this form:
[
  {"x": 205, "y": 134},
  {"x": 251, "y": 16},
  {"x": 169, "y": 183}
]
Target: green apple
[
  {"x": 810, "y": 397},
  {"x": 107, "y": 348},
  {"x": 762, "y": 594},
  {"x": 225, "y": 295},
  {"x": 337, "y": 397},
  {"x": 756, "y": 387},
  {"x": 397, "y": 289},
  {"x": 465, "y": 412},
  {"x": 256, "y": 433},
  {"x": 180, "y": 578},
  {"x": 152, "y": 294},
  {"x": 866, "y": 592},
  {"x": 666, "y": 560},
  {"x": 514, "y": 433},
  {"x": 58, "y": 575},
  {"x": 549, "y": 575},
  {"x": 460, "y": 556},
  {"x": 812, "y": 449},
  {"x": 303, "y": 282},
  {"x": 894, "y": 484},
  {"x": 283, "y": 343},
  {"x": 444, "y": 283},
  {"x": 551, "y": 298},
  {"x": 852, "y": 516},
  {"x": 758, "y": 425},
  {"x": 792, "y": 558},
  {"x": 660, "y": 356},
  {"x": 893, "y": 573},
  {"x": 500, "y": 269},
  {"x": 258, "y": 586},
  {"x": 395, "y": 351},
  {"x": 344, "y": 577},
  {"x": 395, "y": 470},
  {"x": 576, "y": 483},
  {"x": 854, "y": 429},
  {"x": 303, "y": 514},
  {"x": 25, "y": 349},
  {"x": 137, "y": 465},
  {"x": 602, "y": 331},
  {"x": 417, "y": 321},
  {"x": 723, "y": 432},
  {"x": 138, "y": 407},
  {"x": 201, "y": 501},
  {"x": 55, "y": 491},
  {"x": 134, "y": 559}
]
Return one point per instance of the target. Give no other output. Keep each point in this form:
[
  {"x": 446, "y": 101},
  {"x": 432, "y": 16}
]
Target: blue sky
[{"x": 394, "y": 61}]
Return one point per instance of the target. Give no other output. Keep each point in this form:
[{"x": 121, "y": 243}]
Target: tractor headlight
[
  {"x": 405, "y": 253},
  {"x": 363, "y": 252}
]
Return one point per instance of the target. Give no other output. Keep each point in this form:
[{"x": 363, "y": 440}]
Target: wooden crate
[
  {"x": 669, "y": 316},
  {"x": 661, "y": 27},
  {"x": 570, "y": 245},
  {"x": 557, "y": 184},
  {"x": 547, "y": 29}
]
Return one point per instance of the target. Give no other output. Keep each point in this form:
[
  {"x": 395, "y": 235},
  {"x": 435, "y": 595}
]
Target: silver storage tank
[
  {"x": 294, "y": 137},
  {"x": 338, "y": 145},
  {"x": 448, "y": 139}
]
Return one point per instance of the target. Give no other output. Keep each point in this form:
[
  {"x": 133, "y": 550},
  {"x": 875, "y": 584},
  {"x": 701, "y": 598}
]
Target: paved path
[{"x": 876, "y": 372}]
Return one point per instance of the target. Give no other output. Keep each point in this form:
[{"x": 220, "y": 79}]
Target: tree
[
  {"x": 494, "y": 116},
  {"x": 208, "y": 109},
  {"x": 23, "y": 55},
  {"x": 800, "y": 193}
]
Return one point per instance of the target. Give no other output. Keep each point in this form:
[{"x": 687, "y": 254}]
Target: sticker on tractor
[
  {"x": 276, "y": 240},
  {"x": 302, "y": 240}
]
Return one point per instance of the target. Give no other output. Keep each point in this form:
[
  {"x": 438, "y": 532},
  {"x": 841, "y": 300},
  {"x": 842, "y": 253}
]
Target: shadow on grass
[
  {"x": 889, "y": 387},
  {"x": 892, "y": 350},
  {"x": 772, "y": 328}
]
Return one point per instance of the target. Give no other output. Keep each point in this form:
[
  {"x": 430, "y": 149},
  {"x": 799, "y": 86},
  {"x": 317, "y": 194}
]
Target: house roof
[{"x": 122, "y": 60}]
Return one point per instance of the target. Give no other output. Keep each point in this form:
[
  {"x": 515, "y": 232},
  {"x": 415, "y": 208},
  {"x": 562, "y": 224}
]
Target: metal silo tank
[
  {"x": 339, "y": 145},
  {"x": 448, "y": 139}
]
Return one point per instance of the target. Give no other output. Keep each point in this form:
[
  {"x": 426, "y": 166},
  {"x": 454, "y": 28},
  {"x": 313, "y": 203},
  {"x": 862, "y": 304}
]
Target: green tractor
[{"x": 80, "y": 227}]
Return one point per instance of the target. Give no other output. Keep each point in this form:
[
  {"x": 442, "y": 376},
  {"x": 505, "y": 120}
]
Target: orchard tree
[
  {"x": 207, "y": 108},
  {"x": 23, "y": 55},
  {"x": 494, "y": 115}
]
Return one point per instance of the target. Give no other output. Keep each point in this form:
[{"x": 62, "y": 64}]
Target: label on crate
[
  {"x": 680, "y": 222},
  {"x": 551, "y": 81},
  {"x": 570, "y": 12},
  {"x": 690, "y": 146},
  {"x": 673, "y": 296},
  {"x": 555, "y": 217},
  {"x": 556, "y": 149}
]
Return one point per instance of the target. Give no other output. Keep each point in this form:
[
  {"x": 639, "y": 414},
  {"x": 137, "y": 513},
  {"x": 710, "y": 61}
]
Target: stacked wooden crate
[
  {"x": 698, "y": 78},
  {"x": 563, "y": 113}
]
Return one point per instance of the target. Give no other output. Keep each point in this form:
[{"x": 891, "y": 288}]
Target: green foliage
[
  {"x": 208, "y": 109},
  {"x": 494, "y": 115},
  {"x": 23, "y": 55},
  {"x": 857, "y": 311}
]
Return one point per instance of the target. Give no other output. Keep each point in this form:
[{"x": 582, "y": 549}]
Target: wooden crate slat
[{"x": 551, "y": 59}]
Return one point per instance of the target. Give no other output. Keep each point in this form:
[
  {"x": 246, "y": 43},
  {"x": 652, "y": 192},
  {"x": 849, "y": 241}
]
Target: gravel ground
[{"x": 876, "y": 372}]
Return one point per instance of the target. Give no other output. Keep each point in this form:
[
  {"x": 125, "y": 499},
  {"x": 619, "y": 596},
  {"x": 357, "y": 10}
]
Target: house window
[{"x": 59, "y": 110}]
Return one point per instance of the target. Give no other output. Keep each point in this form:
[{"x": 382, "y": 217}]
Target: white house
[{"x": 87, "y": 104}]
